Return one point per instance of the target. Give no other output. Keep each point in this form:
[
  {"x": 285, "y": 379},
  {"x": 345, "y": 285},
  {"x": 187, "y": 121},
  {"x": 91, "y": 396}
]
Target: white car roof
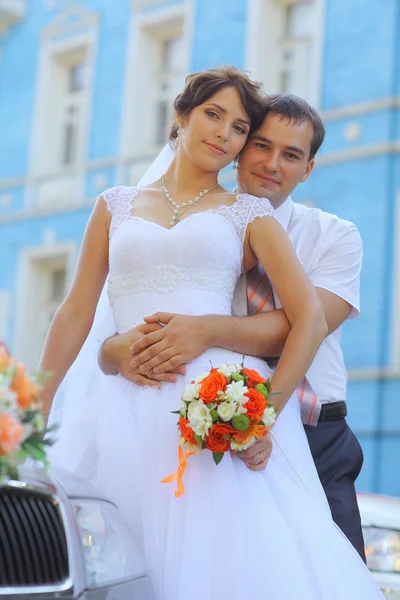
[{"x": 379, "y": 511}]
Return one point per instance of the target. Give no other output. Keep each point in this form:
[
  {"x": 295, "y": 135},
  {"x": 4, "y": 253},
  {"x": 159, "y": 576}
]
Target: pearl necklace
[{"x": 178, "y": 207}]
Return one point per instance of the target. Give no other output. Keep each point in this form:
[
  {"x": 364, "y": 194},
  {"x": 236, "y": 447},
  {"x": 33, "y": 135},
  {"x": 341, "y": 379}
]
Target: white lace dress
[{"x": 234, "y": 534}]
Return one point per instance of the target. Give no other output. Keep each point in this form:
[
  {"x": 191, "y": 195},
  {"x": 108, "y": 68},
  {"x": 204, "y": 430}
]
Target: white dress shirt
[{"x": 330, "y": 250}]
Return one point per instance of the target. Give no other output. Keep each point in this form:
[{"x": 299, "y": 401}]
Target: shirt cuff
[{"x": 341, "y": 291}]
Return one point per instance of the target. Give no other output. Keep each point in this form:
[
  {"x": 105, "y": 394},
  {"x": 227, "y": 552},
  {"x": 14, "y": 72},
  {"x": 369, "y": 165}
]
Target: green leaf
[
  {"x": 214, "y": 415},
  {"x": 260, "y": 387},
  {"x": 268, "y": 385},
  {"x": 175, "y": 412},
  {"x": 241, "y": 422},
  {"x": 13, "y": 473},
  {"x": 237, "y": 377},
  {"x": 218, "y": 456},
  {"x": 274, "y": 394},
  {"x": 34, "y": 451},
  {"x": 198, "y": 439}
]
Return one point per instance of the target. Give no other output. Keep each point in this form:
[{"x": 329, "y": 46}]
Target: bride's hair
[{"x": 199, "y": 87}]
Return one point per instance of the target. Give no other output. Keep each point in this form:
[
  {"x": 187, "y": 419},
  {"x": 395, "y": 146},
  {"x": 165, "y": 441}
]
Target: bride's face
[{"x": 215, "y": 132}]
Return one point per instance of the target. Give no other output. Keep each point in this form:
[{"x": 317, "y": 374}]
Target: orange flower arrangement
[
  {"x": 211, "y": 385},
  {"x": 225, "y": 409},
  {"x": 22, "y": 430}
]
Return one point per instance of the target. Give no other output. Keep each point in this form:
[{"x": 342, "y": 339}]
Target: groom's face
[{"x": 275, "y": 159}]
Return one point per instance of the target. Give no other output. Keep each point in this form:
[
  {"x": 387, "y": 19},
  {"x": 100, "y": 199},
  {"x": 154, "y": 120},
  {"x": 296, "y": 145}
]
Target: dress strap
[
  {"x": 119, "y": 202},
  {"x": 246, "y": 209}
]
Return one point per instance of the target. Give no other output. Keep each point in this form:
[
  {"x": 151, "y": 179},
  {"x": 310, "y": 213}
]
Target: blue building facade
[{"x": 85, "y": 100}]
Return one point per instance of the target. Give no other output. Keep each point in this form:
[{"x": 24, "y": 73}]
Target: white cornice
[
  {"x": 38, "y": 213},
  {"x": 362, "y": 108},
  {"x": 356, "y": 153},
  {"x": 85, "y": 19},
  {"x": 373, "y": 374}
]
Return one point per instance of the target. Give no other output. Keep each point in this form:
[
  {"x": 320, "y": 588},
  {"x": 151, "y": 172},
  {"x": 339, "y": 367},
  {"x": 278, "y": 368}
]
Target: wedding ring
[{"x": 262, "y": 457}]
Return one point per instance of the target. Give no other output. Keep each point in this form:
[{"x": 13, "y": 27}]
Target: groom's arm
[{"x": 183, "y": 338}]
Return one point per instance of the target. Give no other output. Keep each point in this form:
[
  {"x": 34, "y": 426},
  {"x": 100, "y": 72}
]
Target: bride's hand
[
  {"x": 182, "y": 339},
  {"x": 257, "y": 456},
  {"x": 114, "y": 357}
]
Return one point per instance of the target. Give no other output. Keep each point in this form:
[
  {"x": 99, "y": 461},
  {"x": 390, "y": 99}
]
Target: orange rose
[
  {"x": 24, "y": 387},
  {"x": 253, "y": 377},
  {"x": 187, "y": 432},
  {"x": 11, "y": 432},
  {"x": 256, "y": 405},
  {"x": 215, "y": 441},
  {"x": 211, "y": 385},
  {"x": 254, "y": 431}
]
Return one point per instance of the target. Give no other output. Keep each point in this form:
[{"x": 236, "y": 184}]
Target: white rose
[
  {"x": 186, "y": 447},
  {"x": 200, "y": 378},
  {"x": 235, "y": 392},
  {"x": 8, "y": 401},
  {"x": 199, "y": 418},
  {"x": 183, "y": 409},
  {"x": 227, "y": 370},
  {"x": 269, "y": 416},
  {"x": 226, "y": 410},
  {"x": 190, "y": 392}
]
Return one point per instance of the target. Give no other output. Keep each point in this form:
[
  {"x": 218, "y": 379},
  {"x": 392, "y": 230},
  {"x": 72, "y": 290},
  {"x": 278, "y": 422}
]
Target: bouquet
[
  {"x": 225, "y": 409},
  {"x": 22, "y": 428}
]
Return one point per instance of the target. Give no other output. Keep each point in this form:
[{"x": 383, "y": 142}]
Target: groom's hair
[
  {"x": 199, "y": 87},
  {"x": 295, "y": 109}
]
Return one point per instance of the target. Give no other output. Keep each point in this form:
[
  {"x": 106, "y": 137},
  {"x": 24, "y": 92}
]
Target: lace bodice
[{"x": 192, "y": 268}]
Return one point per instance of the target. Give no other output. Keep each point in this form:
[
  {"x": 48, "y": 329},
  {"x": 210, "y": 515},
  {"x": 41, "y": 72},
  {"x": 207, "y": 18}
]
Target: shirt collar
[{"x": 284, "y": 212}]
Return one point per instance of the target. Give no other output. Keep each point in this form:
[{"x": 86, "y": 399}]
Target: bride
[{"x": 179, "y": 244}]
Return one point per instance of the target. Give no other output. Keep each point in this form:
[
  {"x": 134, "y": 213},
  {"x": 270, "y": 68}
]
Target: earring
[{"x": 234, "y": 165}]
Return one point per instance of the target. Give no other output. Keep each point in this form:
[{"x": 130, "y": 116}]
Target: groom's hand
[
  {"x": 114, "y": 357},
  {"x": 257, "y": 456},
  {"x": 182, "y": 339}
]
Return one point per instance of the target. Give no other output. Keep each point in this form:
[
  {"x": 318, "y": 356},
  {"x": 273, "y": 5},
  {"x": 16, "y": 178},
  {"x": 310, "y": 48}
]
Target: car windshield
[{"x": 382, "y": 549}]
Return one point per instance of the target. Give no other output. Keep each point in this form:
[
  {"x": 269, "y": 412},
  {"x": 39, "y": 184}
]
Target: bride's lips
[
  {"x": 266, "y": 178},
  {"x": 216, "y": 148}
]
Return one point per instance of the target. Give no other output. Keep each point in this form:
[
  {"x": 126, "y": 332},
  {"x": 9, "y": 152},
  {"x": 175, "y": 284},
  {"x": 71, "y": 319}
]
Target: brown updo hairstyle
[{"x": 199, "y": 87}]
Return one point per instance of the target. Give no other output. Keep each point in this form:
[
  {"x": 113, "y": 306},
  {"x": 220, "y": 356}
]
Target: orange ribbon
[{"x": 177, "y": 476}]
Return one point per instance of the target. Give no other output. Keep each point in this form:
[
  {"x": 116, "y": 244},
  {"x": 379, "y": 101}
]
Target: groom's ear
[{"x": 309, "y": 168}]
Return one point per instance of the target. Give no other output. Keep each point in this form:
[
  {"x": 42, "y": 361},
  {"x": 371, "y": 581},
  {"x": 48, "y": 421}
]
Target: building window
[
  {"x": 72, "y": 109},
  {"x": 62, "y": 109},
  {"x": 296, "y": 48},
  {"x": 43, "y": 284},
  {"x": 167, "y": 83},
  {"x": 51, "y": 281},
  {"x": 158, "y": 63},
  {"x": 284, "y": 46}
]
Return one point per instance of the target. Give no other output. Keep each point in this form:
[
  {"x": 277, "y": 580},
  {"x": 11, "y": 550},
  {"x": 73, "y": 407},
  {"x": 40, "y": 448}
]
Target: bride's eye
[
  {"x": 211, "y": 113},
  {"x": 240, "y": 129}
]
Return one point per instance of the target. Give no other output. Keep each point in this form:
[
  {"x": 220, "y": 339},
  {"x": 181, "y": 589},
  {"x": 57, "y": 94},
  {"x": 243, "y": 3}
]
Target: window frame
[{"x": 265, "y": 45}]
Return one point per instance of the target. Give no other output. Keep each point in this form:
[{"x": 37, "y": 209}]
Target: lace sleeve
[
  {"x": 246, "y": 209},
  {"x": 119, "y": 202}
]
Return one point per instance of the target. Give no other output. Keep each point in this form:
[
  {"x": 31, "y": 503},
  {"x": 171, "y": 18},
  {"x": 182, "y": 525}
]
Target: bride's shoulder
[
  {"x": 118, "y": 196},
  {"x": 252, "y": 207}
]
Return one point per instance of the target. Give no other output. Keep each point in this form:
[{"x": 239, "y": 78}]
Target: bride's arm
[
  {"x": 72, "y": 321},
  {"x": 268, "y": 243}
]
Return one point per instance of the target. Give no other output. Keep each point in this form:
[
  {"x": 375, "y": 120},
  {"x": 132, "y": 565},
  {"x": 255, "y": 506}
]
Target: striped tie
[{"x": 260, "y": 298}]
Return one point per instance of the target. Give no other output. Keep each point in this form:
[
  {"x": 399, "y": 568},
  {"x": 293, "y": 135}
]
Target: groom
[{"x": 276, "y": 158}]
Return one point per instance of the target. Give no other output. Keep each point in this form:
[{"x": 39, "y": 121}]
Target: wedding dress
[{"x": 234, "y": 533}]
